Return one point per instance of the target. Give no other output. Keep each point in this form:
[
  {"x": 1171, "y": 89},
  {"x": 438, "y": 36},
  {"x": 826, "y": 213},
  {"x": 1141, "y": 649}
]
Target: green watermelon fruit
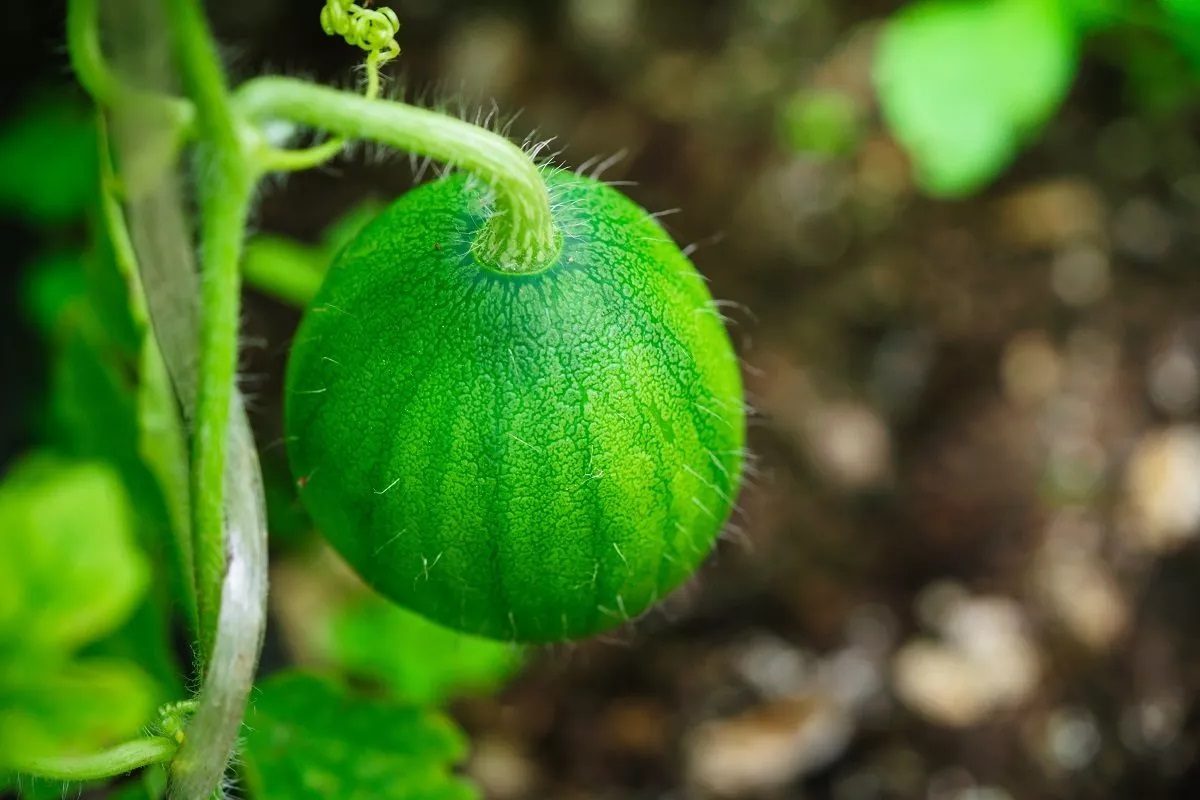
[{"x": 534, "y": 457}]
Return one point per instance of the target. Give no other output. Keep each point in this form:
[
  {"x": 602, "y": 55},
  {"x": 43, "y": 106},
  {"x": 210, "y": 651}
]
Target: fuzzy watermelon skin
[{"x": 530, "y": 457}]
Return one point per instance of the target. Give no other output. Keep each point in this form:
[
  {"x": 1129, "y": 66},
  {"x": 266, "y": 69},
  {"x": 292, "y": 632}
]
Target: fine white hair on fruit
[{"x": 608, "y": 163}]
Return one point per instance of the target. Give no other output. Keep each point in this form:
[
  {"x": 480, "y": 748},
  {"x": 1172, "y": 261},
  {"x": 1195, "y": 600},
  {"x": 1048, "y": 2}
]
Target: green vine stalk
[
  {"x": 114, "y": 761},
  {"x": 226, "y": 181}
]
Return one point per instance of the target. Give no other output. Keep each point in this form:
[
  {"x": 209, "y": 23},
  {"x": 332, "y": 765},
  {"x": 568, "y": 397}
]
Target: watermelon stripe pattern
[{"x": 533, "y": 457}]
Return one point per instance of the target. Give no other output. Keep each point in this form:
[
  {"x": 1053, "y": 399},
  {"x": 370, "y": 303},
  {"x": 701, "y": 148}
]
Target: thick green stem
[
  {"x": 229, "y": 528},
  {"x": 520, "y": 236},
  {"x": 95, "y": 766},
  {"x": 213, "y": 729},
  {"x": 226, "y": 184},
  {"x": 224, "y": 206}
]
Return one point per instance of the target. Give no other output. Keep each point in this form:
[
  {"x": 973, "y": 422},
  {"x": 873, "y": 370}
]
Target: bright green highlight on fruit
[{"x": 523, "y": 456}]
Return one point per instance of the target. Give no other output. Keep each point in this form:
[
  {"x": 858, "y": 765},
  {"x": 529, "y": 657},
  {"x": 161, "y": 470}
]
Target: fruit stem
[
  {"x": 519, "y": 236},
  {"x": 280, "y": 160}
]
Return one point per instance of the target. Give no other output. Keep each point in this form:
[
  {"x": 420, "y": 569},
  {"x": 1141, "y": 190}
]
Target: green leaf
[
  {"x": 99, "y": 410},
  {"x": 308, "y": 738},
  {"x": 91, "y": 412},
  {"x": 965, "y": 84},
  {"x": 1184, "y": 23},
  {"x": 28, "y": 788},
  {"x": 52, "y": 286},
  {"x": 1093, "y": 15},
  {"x": 70, "y": 571},
  {"x": 48, "y": 160},
  {"x": 287, "y": 269},
  {"x": 60, "y": 708},
  {"x": 292, "y": 271},
  {"x": 417, "y": 660},
  {"x": 145, "y": 640},
  {"x": 152, "y": 786}
]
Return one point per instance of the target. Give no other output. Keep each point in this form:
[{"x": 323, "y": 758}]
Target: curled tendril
[{"x": 373, "y": 30}]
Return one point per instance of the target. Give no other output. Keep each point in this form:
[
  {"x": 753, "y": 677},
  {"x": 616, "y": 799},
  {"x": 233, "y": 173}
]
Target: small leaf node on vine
[{"x": 173, "y": 718}]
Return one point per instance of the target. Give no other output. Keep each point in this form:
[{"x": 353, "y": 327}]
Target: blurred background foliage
[{"x": 957, "y": 242}]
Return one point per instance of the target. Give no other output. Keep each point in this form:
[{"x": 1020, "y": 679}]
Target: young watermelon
[{"x": 535, "y": 456}]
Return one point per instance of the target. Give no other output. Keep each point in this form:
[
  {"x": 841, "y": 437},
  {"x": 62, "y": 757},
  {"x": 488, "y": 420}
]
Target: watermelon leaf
[
  {"x": 418, "y": 660},
  {"x": 965, "y": 84},
  {"x": 309, "y": 738}
]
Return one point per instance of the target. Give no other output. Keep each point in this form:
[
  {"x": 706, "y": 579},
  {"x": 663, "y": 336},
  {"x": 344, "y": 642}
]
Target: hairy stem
[
  {"x": 226, "y": 183},
  {"x": 212, "y": 731},
  {"x": 520, "y": 236},
  {"x": 94, "y": 766},
  {"x": 229, "y": 523},
  {"x": 277, "y": 160},
  {"x": 224, "y": 207}
]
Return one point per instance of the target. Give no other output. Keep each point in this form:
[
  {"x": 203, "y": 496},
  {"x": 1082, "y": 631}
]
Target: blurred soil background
[{"x": 967, "y": 565}]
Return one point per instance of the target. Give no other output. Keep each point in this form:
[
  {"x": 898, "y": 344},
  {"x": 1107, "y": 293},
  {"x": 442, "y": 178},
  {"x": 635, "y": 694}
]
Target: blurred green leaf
[
  {"x": 1091, "y": 15},
  {"x": 51, "y": 286},
  {"x": 1160, "y": 81},
  {"x": 70, "y": 570},
  {"x": 308, "y": 738},
  {"x": 68, "y": 707},
  {"x": 293, "y": 271},
  {"x": 416, "y": 659},
  {"x": 95, "y": 412},
  {"x": 821, "y": 122},
  {"x": 145, "y": 640},
  {"x": 77, "y": 627},
  {"x": 152, "y": 786},
  {"x": 48, "y": 160},
  {"x": 964, "y": 84},
  {"x": 92, "y": 411},
  {"x": 1184, "y": 23},
  {"x": 28, "y": 788},
  {"x": 287, "y": 269}
]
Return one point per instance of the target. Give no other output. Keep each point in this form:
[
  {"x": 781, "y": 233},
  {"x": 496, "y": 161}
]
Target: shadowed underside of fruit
[{"x": 534, "y": 457}]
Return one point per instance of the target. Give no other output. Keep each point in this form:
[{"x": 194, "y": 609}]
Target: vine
[{"x": 114, "y": 761}]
